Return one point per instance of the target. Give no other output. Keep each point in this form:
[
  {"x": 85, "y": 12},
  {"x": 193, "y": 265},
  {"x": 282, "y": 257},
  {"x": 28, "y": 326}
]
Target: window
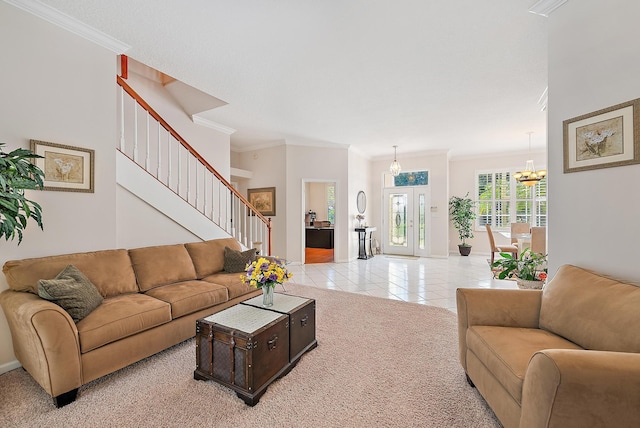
[
  {"x": 331, "y": 203},
  {"x": 502, "y": 201}
]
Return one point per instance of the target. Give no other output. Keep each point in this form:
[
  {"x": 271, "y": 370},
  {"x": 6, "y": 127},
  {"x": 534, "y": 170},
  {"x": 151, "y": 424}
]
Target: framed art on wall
[
  {"x": 602, "y": 139},
  {"x": 264, "y": 199},
  {"x": 66, "y": 168}
]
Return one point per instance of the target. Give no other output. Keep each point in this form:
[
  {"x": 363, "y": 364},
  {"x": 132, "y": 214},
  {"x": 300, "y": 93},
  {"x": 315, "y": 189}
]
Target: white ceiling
[{"x": 458, "y": 75}]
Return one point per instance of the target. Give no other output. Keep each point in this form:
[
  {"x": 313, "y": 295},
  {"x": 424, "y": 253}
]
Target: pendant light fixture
[
  {"x": 529, "y": 176},
  {"x": 395, "y": 167}
]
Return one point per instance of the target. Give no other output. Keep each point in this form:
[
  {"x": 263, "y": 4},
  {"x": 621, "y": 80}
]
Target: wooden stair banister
[{"x": 168, "y": 128}]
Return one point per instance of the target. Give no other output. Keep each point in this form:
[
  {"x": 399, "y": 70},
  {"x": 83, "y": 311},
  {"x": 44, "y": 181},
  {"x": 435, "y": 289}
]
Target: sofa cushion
[
  {"x": 120, "y": 317},
  {"x": 506, "y": 351},
  {"x": 161, "y": 265},
  {"x": 208, "y": 256},
  {"x": 236, "y": 261},
  {"x": 572, "y": 298},
  {"x": 109, "y": 270},
  {"x": 72, "y": 291},
  {"x": 232, "y": 282},
  {"x": 189, "y": 296}
]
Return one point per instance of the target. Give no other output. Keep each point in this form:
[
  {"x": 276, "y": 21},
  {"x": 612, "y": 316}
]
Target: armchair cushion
[
  {"x": 571, "y": 299},
  {"x": 506, "y": 351},
  {"x": 72, "y": 291}
]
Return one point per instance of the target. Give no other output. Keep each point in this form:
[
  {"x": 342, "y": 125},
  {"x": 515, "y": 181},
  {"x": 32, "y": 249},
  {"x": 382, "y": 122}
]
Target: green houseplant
[
  {"x": 461, "y": 211},
  {"x": 529, "y": 269},
  {"x": 18, "y": 174}
]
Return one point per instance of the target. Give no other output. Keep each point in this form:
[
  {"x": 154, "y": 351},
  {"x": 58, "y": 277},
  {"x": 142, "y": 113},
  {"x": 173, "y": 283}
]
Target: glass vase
[{"x": 267, "y": 296}]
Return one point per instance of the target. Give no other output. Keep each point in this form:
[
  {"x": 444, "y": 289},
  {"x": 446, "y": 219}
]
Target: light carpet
[{"x": 379, "y": 363}]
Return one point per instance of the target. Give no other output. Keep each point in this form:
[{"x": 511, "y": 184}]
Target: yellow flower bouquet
[{"x": 265, "y": 272}]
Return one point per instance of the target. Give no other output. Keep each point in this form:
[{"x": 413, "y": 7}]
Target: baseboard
[{"x": 11, "y": 365}]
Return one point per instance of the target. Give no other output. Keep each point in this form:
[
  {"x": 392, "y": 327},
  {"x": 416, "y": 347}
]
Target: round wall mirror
[{"x": 361, "y": 202}]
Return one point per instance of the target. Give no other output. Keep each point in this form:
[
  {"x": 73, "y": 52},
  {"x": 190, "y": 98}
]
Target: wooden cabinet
[{"x": 319, "y": 237}]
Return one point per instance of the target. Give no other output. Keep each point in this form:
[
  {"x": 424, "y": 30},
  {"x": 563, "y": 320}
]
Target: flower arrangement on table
[
  {"x": 529, "y": 266},
  {"x": 266, "y": 273}
]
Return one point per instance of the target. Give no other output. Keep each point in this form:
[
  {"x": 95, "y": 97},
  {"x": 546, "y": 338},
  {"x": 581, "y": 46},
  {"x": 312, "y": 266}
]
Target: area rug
[{"x": 379, "y": 363}]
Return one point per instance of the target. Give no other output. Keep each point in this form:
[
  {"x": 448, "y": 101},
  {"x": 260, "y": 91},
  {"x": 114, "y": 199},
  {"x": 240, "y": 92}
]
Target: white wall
[
  {"x": 316, "y": 164},
  {"x": 140, "y": 225},
  {"x": 59, "y": 88},
  {"x": 359, "y": 179},
  {"x": 593, "y": 64},
  {"x": 268, "y": 168},
  {"x": 463, "y": 180}
]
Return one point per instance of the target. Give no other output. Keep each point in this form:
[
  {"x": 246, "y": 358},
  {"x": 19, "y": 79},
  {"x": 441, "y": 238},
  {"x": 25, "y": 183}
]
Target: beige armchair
[{"x": 565, "y": 356}]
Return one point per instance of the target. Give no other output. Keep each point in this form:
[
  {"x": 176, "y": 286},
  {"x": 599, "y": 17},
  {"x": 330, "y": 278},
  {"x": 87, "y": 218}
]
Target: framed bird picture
[{"x": 66, "y": 168}]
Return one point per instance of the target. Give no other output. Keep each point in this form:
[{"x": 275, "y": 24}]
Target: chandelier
[
  {"x": 529, "y": 176},
  {"x": 395, "y": 167}
]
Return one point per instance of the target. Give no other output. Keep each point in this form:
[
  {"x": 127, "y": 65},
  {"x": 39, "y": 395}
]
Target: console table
[{"x": 365, "y": 250}]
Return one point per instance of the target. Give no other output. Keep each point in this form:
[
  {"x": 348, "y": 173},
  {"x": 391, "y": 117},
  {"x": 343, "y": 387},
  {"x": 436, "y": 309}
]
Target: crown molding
[
  {"x": 545, "y": 7},
  {"x": 213, "y": 125},
  {"x": 70, "y": 24},
  {"x": 267, "y": 145}
]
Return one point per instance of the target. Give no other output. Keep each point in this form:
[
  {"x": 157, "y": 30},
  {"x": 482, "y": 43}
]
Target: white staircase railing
[{"x": 149, "y": 141}]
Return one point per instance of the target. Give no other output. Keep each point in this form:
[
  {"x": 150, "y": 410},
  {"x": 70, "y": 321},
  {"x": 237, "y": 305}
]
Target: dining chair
[
  {"x": 539, "y": 240},
  {"x": 519, "y": 228},
  {"x": 513, "y": 249}
]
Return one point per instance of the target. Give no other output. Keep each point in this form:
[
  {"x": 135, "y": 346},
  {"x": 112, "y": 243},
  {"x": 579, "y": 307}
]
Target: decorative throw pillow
[
  {"x": 72, "y": 291},
  {"x": 236, "y": 261}
]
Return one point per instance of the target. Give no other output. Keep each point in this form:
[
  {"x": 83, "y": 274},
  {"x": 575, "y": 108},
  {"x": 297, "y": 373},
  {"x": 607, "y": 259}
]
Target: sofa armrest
[
  {"x": 507, "y": 308},
  {"x": 45, "y": 341},
  {"x": 581, "y": 388}
]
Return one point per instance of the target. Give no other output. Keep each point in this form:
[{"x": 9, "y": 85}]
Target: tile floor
[{"x": 428, "y": 281}]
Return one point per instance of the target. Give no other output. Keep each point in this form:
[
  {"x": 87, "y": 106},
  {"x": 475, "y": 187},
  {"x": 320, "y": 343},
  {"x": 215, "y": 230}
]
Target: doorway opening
[{"x": 319, "y": 221}]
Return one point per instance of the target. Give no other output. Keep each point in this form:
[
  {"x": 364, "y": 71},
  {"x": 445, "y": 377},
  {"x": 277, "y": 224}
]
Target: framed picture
[
  {"x": 66, "y": 168},
  {"x": 602, "y": 139},
  {"x": 264, "y": 199}
]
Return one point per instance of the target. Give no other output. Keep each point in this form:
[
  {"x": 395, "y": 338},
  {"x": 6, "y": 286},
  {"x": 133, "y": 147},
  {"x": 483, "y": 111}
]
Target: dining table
[{"x": 524, "y": 239}]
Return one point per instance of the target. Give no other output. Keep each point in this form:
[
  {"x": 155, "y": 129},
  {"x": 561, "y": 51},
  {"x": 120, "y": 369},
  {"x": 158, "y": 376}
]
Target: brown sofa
[
  {"x": 152, "y": 298},
  {"x": 564, "y": 356}
]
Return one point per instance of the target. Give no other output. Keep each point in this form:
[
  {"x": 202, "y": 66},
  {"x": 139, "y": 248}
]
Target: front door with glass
[{"x": 406, "y": 223}]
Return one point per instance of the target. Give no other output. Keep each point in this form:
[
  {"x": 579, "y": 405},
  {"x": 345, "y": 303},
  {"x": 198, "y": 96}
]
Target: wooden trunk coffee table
[
  {"x": 246, "y": 347},
  {"x": 302, "y": 321}
]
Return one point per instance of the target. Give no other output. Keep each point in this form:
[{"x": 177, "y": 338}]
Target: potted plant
[
  {"x": 529, "y": 270},
  {"x": 18, "y": 174},
  {"x": 462, "y": 215}
]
